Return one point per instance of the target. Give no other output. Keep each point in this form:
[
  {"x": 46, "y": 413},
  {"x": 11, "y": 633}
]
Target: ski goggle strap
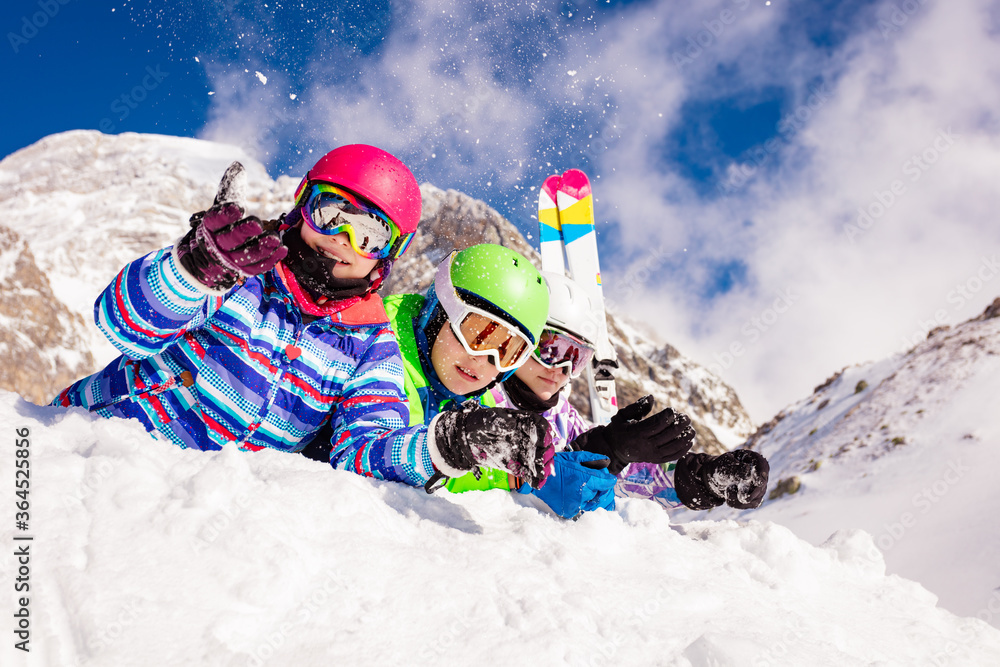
[
  {"x": 480, "y": 332},
  {"x": 331, "y": 210},
  {"x": 560, "y": 349}
]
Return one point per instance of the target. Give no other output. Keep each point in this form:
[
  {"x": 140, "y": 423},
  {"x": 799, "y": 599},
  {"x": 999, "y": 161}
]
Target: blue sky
[
  {"x": 131, "y": 66},
  {"x": 730, "y": 142}
]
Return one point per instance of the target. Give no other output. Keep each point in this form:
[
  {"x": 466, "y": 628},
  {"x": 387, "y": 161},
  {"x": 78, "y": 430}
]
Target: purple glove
[{"x": 223, "y": 247}]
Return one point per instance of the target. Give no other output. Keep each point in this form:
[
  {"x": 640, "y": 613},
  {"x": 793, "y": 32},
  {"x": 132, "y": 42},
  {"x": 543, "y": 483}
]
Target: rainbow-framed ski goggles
[
  {"x": 558, "y": 348},
  {"x": 331, "y": 210}
]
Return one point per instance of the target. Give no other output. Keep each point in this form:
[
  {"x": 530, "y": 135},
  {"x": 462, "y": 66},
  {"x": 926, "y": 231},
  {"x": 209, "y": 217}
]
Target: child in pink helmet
[
  {"x": 260, "y": 334},
  {"x": 640, "y": 448}
]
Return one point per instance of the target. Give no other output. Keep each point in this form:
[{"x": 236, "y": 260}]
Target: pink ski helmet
[{"x": 375, "y": 175}]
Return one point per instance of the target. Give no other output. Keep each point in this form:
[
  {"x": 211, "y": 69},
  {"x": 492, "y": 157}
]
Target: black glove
[
  {"x": 517, "y": 441},
  {"x": 737, "y": 478},
  {"x": 223, "y": 246},
  {"x": 665, "y": 436}
]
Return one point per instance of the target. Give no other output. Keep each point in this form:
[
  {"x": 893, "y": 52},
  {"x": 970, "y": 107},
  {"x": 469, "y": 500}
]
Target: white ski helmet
[{"x": 570, "y": 307}]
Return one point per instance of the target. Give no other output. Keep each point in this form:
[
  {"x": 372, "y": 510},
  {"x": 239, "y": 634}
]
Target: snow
[
  {"x": 117, "y": 198},
  {"x": 912, "y": 459},
  {"x": 146, "y": 554},
  {"x": 8, "y": 263}
]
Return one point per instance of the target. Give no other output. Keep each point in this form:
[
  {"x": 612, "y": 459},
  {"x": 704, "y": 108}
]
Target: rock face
[
  {"x": 88, "y": 203},
  {"x": 450, "y": 221},
  {"x": 42, "y": 343},
  {"x": 84, "y": 204}
]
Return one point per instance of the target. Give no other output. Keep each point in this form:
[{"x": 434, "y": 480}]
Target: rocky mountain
[
  {"x": 83, "y": 204},
  {"x": 87, "y": 203},
  {"x": 908, "y": 449},
  {"x": 869, "y": 411},
  {"x": 41, "y": 341}
]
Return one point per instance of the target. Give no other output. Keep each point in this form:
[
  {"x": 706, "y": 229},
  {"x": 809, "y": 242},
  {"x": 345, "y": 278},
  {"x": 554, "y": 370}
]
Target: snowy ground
[
  {"x": 912, "y": 459},
  {"x": 144, "y": 554}
]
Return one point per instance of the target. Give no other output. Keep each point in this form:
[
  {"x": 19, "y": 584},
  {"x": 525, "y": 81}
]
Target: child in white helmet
[{"x": 637, "y": 447}]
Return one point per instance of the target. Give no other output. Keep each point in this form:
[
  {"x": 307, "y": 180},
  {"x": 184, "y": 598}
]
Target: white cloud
[
  {"x": 929, "y": 91},
  {"x": 441, "y": 91}
]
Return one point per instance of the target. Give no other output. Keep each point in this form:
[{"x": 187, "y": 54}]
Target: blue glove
[{"x": 575, "y": 486}]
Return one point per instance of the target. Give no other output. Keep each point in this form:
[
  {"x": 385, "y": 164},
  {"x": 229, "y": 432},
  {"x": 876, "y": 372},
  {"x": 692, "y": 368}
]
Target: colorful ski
[
  {"x": 550, "y": 231},
  {"x": 574, "y": 223}
]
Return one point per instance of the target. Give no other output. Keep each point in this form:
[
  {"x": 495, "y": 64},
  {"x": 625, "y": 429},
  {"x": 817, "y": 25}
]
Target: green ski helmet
[{"x": 491, "y": 280}]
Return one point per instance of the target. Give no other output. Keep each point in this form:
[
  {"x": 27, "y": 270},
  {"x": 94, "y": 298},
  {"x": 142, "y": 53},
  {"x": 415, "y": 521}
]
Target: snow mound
[
  {"x": 906, "y": 448},
  {"x": 145, "y": 554}
]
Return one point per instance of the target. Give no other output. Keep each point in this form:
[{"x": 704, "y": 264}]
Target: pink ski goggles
[{"x": 559, "y": 349}]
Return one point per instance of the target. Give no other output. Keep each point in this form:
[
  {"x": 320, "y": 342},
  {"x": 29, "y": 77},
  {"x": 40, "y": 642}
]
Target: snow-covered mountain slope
[
  {"x": 146, "y": 554},
  {"x": 908, "y": 449},
  {"x": 88, "y": 203}
]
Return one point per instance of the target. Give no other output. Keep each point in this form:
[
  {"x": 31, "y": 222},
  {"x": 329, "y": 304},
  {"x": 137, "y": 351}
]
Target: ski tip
[
  {"x": 575, "y": 183},
  {"x": 551, "y": 186},
  {"x": 547, "y": 200},
  {"x": 233, "y": 186}
]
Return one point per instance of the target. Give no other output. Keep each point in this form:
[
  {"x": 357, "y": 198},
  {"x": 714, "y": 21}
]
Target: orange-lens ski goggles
[{"x": 482, "y": 333}]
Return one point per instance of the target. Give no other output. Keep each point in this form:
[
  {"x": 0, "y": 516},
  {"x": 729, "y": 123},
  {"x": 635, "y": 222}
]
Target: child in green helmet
[
  {"x": 476, "y": 326},
  {"x": 478, "y": 322}
]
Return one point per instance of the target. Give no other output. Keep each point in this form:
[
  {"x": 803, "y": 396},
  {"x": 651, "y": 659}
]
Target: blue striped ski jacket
[{"x": 204, "y": 370}]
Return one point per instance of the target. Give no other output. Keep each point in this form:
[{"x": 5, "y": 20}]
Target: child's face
[
  {"x": 545, "y": 382},
  {"x": 350, "y": 264},
  {"x": 460, "y": 372}
]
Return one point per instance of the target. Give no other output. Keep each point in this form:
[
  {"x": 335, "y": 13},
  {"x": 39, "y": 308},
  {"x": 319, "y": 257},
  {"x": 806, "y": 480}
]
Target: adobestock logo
[
  {"x": 709, "y": 37},
  {"x": 913, "y": 168},
  {"x": 752, "y": 331},
  {"x": 751, "y": 161},
  {"x": 37, "y": 21},
  {"x": 129, "y": 101},
  {"x": 964, "y": 292},
  {"x": 924, "y": 500},
  {"x": 899, "y": 16}
]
